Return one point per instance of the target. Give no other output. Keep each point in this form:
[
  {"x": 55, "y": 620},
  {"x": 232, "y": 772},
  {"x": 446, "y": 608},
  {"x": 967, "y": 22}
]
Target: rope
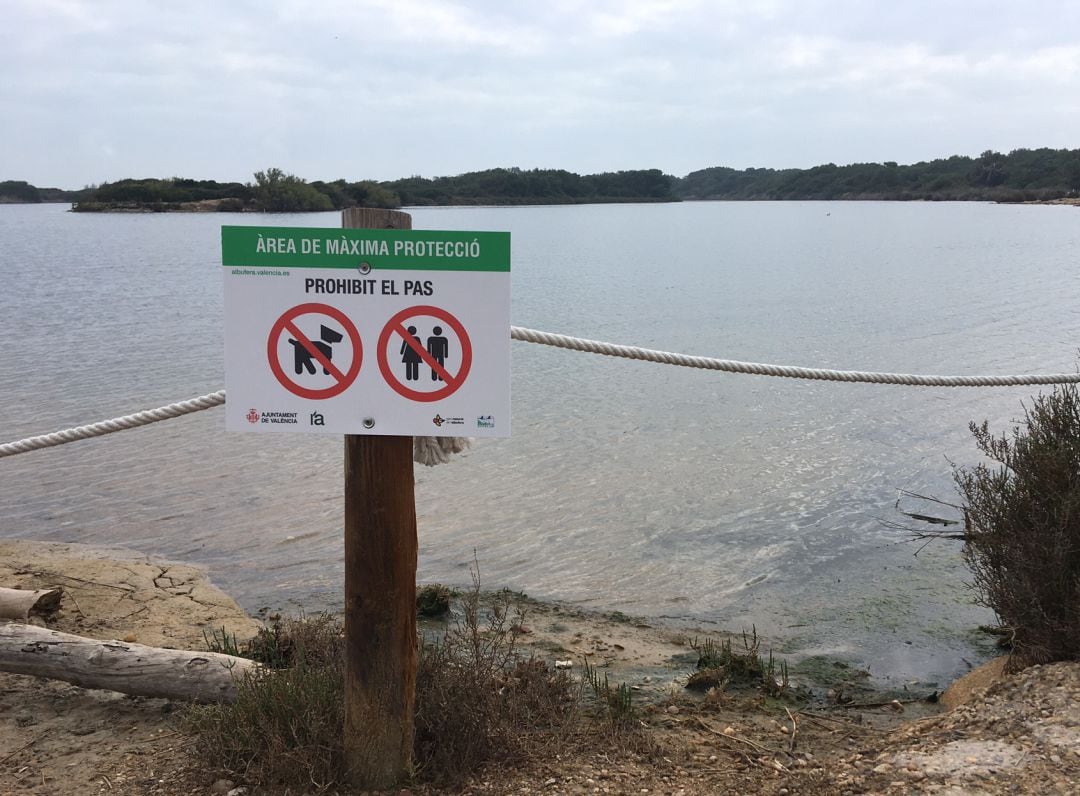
[
  {"x": 432, "y": 450},
  {"x": 785, "y": 371},
  {"x": 116, "y": 424}
]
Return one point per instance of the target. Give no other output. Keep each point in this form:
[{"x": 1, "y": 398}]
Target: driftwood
[
  {"x": 118, "y": 666},
  {"x": 18, "y": 604}
]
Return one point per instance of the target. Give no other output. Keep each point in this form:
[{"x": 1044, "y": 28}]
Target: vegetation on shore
[
  {"x": 1022, "y": 175},
  {"x": 22, "y": 192},
  {"x": 276, "y": 191},
  {"x": 1022, "y": 530}
]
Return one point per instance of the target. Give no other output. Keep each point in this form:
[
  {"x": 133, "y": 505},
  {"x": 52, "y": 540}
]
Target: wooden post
[{"x": 380, "y": 589}]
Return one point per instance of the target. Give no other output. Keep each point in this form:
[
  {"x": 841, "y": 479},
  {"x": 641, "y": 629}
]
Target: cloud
[{"x": 219, "y": 90}]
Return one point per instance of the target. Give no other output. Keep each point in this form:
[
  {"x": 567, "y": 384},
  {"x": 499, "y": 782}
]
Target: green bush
[
  {"x": 433, "y": 600},
  {"x": 1022, "y": 528},
  {"x": 285, "y": 727}
]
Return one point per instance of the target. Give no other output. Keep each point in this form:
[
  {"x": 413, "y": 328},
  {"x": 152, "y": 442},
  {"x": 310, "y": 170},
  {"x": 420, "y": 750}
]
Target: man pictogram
[{"x": 438, "y": 346}]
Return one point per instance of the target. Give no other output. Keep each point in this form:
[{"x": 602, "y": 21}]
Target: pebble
[{"x": 222, "y": 786}]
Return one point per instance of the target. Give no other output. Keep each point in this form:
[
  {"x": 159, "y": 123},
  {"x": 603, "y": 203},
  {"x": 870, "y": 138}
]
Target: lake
[{"x": 713, "y": 500}]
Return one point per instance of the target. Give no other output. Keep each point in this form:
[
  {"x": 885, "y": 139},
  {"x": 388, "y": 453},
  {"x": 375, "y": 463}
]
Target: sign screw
[
  {"x": 369, "y": 422},
  {"x": 365, "y": 268}
]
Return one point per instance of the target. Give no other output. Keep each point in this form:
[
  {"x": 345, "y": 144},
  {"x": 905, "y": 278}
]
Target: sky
[{"x": 99, "y": 90}]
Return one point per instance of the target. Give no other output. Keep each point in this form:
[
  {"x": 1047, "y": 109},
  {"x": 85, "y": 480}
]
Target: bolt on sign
[{"x": 367, "y": 331}]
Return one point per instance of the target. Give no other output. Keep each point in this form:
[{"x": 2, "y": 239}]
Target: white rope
[
  {"x": 786, "y": 371},
  {"x": 430, "y": 451},
  {"x": 116, "y": 424},
  {"x": 437, "y": 450}
]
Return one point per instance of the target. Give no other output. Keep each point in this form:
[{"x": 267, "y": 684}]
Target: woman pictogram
[{"x": 411, "y": 356}]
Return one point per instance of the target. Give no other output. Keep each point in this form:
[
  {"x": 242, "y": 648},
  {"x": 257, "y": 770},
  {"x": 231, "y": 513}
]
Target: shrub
[
  {"x": 479, "y": 701},
  {"x": 433, "y": 600},
  {"x": 720, "y": 664},
  {"x": 1022, "y": 528},
  {"x": 615, "y": 702},
  {"x": 286, "y": 725}
]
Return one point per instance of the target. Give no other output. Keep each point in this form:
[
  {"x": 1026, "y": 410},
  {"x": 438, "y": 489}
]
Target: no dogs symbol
[
  {"x": 424, "y": 353},
  {"x": 314, "y": 351}
]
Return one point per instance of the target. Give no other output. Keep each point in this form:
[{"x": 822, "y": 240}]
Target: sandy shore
[{"x": 1015, "y": 735}]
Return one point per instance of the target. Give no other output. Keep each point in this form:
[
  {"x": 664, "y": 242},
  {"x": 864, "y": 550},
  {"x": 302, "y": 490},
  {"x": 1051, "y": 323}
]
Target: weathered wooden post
[{"x": 380, "y": 589}]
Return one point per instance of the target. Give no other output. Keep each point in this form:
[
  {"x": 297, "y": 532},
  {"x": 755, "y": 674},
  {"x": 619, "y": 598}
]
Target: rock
[
  {"x": 974, "y": 683},
  {"x": 222, "y": 786}
]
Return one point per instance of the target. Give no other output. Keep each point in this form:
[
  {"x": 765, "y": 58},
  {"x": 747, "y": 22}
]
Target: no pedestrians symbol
[
  {"x": 305, "y": 358},
  {"x": 429, "y": 347}
]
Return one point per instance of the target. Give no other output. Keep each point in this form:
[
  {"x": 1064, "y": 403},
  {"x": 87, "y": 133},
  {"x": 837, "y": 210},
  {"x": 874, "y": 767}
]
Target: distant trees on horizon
[{"x": 1020, "y": 175}]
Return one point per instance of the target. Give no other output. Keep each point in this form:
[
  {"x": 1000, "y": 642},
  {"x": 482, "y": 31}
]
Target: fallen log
[
  {"x": 18, "y": 604},
  {"x": 118, "y": 666}
]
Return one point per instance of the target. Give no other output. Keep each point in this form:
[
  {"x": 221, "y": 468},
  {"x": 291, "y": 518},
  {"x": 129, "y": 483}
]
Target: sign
[{"x": 367, "y": 331}]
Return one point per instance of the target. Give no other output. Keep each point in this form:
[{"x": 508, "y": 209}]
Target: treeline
[
  {"x": 276, "y": 191},
  {"x": 21, "y": 192},
  {"x": 1022, "y": 175},
  {"x": 273, "y": 191},
  {"x": 536, "y": 186}
]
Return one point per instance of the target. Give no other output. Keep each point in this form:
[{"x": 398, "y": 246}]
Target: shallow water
[{"x": 713, "y": 499}]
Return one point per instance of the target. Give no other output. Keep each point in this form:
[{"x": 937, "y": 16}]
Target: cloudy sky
[{"x": 94, "y": 90}]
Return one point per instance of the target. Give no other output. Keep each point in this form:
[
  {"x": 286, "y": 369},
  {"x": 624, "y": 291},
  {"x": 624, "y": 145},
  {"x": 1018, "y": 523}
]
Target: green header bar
[{"x": 412, "y": 250}]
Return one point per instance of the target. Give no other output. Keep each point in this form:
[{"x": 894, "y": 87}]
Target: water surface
[{"x": 714, "y": 499}]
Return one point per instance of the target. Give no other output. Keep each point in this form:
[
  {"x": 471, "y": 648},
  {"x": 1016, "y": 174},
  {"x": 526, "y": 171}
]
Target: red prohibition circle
[
  {"x": 285, "y": 323},
  {"x": 452, "y": 384}
]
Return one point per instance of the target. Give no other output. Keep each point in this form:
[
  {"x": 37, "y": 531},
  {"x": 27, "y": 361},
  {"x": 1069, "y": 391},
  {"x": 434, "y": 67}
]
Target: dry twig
[{"x": 794, "y": 731}]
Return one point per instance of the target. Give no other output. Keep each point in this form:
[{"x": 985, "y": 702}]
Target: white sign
[{"x": 357, "y": 331}]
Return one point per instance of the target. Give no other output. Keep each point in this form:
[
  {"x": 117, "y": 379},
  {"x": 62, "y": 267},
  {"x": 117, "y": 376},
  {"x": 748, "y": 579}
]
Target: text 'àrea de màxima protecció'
[{"x": 364, "y": 247}]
